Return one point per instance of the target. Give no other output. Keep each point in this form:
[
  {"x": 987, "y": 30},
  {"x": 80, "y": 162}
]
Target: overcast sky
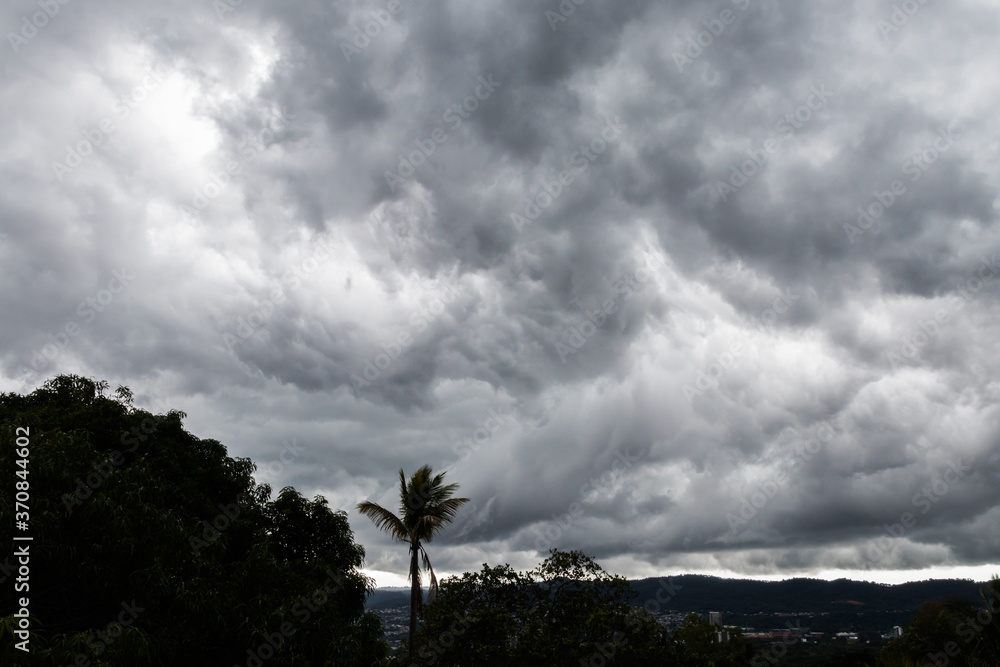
[{"x": 692, "y": 287}]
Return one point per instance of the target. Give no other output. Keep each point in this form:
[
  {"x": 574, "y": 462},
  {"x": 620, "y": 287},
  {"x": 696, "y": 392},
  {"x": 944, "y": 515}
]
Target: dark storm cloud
[{"x": 746, "y": 246}]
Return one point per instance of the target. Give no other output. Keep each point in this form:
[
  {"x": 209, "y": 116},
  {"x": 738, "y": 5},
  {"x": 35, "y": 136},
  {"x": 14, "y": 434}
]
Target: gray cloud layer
[{"x": 724, "y": 273}]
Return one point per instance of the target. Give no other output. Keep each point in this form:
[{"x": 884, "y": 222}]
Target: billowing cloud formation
[{"x": 686, "y": 286}]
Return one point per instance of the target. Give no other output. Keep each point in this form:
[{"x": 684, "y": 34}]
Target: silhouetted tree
[
  {"x": 950, "y": 632},
  {"x": 136, "y": 521},
  {"x": 426, "y": 506},
  {"x": 566, "y": 612}
]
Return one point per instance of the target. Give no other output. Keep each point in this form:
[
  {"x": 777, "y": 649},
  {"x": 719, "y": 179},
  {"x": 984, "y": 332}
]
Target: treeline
[
  {"x": 565, "y": 613},
  {"x": 152, "y": 547}
]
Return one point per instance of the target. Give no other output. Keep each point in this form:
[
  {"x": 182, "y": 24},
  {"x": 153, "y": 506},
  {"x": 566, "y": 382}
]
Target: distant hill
[
  {"x": 384, "y": 598},
  {"x": 693, "y": 592},
  {"x": 743, "y": 596}
]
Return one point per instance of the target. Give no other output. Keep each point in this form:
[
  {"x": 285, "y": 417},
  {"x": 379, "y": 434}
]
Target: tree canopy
[
  {"x": 567, "y": 611},
  {"x": 154, "y": 547},
  {"x": 950, "y": 632}
]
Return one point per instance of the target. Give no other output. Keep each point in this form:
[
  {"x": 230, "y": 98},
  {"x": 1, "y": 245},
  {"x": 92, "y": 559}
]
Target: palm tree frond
[
  {"x": 432, "y": 592},
  {"x": 384, "y": 520},
  {"x": 437, "y": 518},
  {"x": 429, "y": 527},
  {"x": 447, "y": 509}
]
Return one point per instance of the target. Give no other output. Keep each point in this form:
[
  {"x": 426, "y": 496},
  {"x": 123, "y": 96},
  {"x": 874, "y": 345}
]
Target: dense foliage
[
  {"x": 153, "y": 547},
  {"x": 568, "y": 611},
  {"x": 950, "y": 632}
]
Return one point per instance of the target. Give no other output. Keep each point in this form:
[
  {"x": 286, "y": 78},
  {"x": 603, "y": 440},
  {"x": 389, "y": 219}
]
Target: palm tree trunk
[{"x": 415, "y": 593}]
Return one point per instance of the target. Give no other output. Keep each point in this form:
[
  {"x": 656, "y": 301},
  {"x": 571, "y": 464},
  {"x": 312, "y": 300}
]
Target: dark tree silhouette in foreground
[{"x": 426, "y": 506}]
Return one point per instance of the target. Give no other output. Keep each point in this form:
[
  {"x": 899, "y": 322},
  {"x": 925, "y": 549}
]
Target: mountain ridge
[{"x": 702, "y": 593}]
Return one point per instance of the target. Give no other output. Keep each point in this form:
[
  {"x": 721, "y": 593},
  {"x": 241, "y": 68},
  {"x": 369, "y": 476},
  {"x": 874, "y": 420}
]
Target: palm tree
[{"x": 425, "y": 507}]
